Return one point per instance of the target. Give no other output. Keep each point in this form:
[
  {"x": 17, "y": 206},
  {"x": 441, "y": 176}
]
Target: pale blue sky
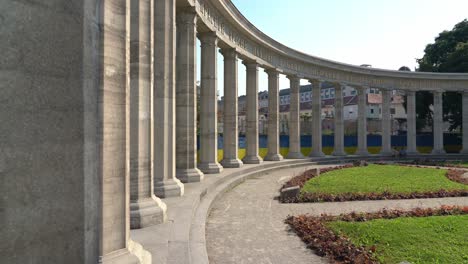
[{"x": 384, "y": 33}]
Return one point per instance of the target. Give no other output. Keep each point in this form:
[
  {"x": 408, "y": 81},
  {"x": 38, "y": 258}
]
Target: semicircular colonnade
[{"x": 100, "y": 117}]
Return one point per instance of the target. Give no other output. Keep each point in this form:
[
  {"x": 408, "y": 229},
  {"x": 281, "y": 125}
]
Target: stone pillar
[
  {"x": 252, "y": 156},
  {"x": 411, "y": 123},
  {"x": 145, "y": 208},
  {"x": 186, "y": 98},
  {"x": 386, "y": 123},
  {"x": 113, "y": 135},
  {"x": 438, "y": 124},
  {"x": 294, "y": 122},
  {"x": 64, "y": 155},
  {"x": 165, "y": 182},
  {"x": 316, "y": 119},
  {"x": 362, "y": 121},
  {"x": 230, "y": 131},
  {"x": 339, "y": 126},
  {"x": 209, "y": 105},
  {"x": 273, "y": 109},
  {"x": 465, "y": 121}
]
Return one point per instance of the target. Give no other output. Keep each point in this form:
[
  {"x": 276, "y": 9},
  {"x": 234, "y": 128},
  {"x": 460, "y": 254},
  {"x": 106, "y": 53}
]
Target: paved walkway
[{"x": 246, "y": 224}]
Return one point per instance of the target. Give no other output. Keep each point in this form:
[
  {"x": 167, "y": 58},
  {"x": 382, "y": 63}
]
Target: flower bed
[{"x": 317, "y": 234}]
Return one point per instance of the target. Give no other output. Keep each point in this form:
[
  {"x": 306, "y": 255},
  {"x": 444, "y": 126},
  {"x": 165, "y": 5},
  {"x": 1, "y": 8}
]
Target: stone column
[
  {"x": 386, "y": 123},
  {"x": 411, "y": 123},
  {"x": 186, "y": 98},
  {"x": 252, "y": 156},
  {"x": 113, "y": 134},
  {"x": 438, "y": 124},
  {"x": 316, "y": 119},
  {"x": 165, "y": 182},
  {"x": 273, "y": 109},
  {"x": 64, "y": 155},
  {"x": 145, "y": 208},
  {"x": 294, "y": 123},
  {"x": 230, "y": 131},
  {"x": 339, "y": 126},
  {"x": 209, "y": 105},
  {"x": 362, "y": 121},
  {"x": 465, "y": 121}
]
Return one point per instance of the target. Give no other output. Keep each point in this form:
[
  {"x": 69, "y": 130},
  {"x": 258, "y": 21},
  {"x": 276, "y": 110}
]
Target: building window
[
  {"x": 371, "y": 111},
  {"x": 392, "y": 111}
]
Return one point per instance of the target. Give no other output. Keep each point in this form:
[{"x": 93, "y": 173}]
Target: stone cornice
[{"x": 234, "y": 30}]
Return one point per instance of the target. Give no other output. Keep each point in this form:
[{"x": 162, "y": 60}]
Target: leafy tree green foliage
[{"x": 449, "y": 53}]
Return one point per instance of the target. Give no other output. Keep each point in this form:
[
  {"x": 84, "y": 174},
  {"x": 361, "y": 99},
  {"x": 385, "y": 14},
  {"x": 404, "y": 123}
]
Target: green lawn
[
  {"x": 381, "y": 178},
  {"x": 435, "y": 239}
]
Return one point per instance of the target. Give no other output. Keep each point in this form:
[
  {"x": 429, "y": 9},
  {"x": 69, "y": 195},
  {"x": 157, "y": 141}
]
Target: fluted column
[
  {"x": 294, "y": 125},
  {"x": 165, "y": 182},
  {"x": 339, "y": 125},
  {"x": 464, "y": 95},
  {"x": 362, "y": 121},
  {"x": 186, "y": 99},
  {"x": 145, "y": 208},
  {"x": 316, "y": 119},
  {"x": 113, "y": 146},
  {"x": 386, "y": 123},
  {"x": 252, "y": 156},
  {"x": 230, "y": 131},
  {"x": 438, "y": 124},
  {"x": 411, "y": 123},
  {"x": 273, "y": 109},
  {"x": 209, "y": 105}
]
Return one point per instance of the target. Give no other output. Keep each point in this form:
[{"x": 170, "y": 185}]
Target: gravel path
[{"x": 246, "y": 224}]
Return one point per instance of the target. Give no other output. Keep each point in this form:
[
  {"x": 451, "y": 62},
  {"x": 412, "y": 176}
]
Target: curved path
[{"x": 246, "y": 224}]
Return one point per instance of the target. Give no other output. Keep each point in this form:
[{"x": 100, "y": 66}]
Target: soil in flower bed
[
  {"x": 377, "y": 182},
  {"x": 389, "y": 236}
]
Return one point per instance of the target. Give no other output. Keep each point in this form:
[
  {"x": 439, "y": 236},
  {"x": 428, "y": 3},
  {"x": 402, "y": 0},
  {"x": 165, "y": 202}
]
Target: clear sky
[{"x": 384, "y": 33}]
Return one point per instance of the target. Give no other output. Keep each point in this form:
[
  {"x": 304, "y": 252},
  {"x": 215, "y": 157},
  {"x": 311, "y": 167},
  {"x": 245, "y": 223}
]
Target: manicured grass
[
  {"x": 381, "y": 178},
  {"x": 435, "y": 239}
]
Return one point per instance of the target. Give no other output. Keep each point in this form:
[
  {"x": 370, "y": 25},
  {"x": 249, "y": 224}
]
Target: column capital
[
  {"x": 273, "y": 71},
  {"x": 186, "y": 16},
  {"x": 229, "y": 53},
  {"x": 464, "y": 92},
  {"x": 412, "y": 93},
  {"x": 293, "y": 78},
  {"x": 439, "y": 91},
  {"x": 316, "y": 81},
  {"x": 250, "y": 64},
  {"x": 208, "y": 38}
]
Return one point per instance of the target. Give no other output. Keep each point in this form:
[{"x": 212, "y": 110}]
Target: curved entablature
[{"x": 235, "y": 31}]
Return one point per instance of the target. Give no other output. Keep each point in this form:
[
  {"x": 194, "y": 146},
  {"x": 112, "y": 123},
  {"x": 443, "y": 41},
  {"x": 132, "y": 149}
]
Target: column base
[
  {"x": 339, "y": 153},
  {"x": 252, "y": 160},
  {"x": 169, "y": 188},
  {"x": 147, "y": 212},
  {"x": 463, "y": 151},
  {"x": 122, "y": 256},
  {"x": 231, "y": 163},
  {"x": 362, "y": 153},
  {"x": 317, "y": 154},
  {"x": 412, "y": 153},
  {"x": 386, "y": 153},
  {"x": 273, "y": 157},
  {"x": 438, "y": 151},
  {"x": 295, "y": 155},
  {"x": 189, "y": 175},
  {"x": 210, "y": 168}
]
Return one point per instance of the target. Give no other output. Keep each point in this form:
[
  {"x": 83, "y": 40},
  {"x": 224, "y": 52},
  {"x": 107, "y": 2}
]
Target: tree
[{"x": 449, "y": 53}]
